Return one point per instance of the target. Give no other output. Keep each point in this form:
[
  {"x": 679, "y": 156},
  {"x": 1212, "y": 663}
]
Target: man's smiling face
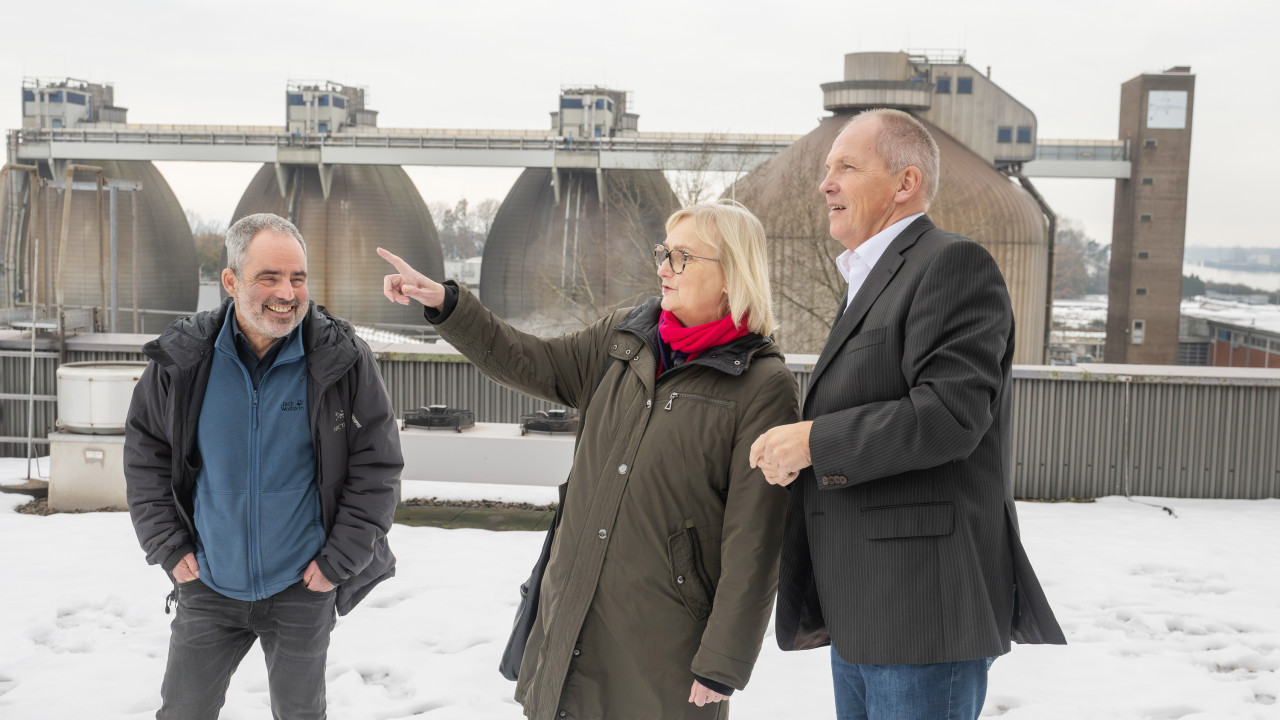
[{"x": 271, "y": 288}]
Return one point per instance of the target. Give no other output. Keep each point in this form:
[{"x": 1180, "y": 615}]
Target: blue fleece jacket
[{"x": 257, "y": 507}]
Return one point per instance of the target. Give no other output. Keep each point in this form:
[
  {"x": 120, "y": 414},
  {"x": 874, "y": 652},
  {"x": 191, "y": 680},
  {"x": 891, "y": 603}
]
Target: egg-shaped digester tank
[
  {"x": 974, "y": 199},
  {"x": 168, "y": 274},
  {"x": 369, "y": 206},
  {"x": 550, "y": 266}
]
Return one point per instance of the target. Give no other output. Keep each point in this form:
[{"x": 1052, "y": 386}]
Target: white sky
[{"x": 744, "y": 66}]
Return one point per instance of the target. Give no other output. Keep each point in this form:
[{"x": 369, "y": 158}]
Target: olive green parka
[{"x": 665, "y": 564}]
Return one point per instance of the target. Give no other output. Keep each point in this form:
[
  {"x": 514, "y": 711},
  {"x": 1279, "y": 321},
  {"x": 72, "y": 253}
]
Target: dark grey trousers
[{"x": 211, "y": 634}]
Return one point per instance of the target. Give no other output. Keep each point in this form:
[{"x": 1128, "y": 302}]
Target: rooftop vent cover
[
  {"x": 551, "y": 422},
  {"x": 440, "y": 417}
]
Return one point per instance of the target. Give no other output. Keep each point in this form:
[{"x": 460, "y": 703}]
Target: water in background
[{"x": 1267, "y": 281}]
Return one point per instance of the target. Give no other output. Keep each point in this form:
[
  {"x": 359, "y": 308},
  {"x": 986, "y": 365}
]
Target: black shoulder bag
[{"x": 531, "y": 589}]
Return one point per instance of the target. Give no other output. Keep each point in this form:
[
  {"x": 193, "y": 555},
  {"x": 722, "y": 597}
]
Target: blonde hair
[{"x": 739, "y": 240}]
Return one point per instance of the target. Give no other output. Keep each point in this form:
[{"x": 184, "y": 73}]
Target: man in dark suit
[{"x": 901, "y": 547}]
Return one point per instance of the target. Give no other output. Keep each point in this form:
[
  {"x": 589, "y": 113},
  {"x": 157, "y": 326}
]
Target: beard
[{"x": 263, "y": 320}]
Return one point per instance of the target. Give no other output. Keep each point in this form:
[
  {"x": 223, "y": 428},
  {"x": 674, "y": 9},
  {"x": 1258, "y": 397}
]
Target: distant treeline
[{"x": 1192, "y": 285}]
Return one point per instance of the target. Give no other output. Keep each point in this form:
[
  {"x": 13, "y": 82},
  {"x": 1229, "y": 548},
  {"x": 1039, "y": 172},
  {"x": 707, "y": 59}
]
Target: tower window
[
  {"x": 1143, "y": 255},
  {"x": 1004, "y": 134},
  {"x": 964, "y": 86},
  {"x": 944, "y": 85},
  {"x": 1145, "y": 218},
  {"x": 1024, "y": 134},
  {"x": 1139, "y": 330},
  {"x": 1142, "y": 291},
  {"x": 1148, "y": 181},
  {"x": 1149, "y": 143}
]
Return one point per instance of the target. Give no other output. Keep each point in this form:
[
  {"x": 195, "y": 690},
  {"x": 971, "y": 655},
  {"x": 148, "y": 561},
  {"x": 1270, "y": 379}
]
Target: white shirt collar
[{"x": 856, "y": 265}]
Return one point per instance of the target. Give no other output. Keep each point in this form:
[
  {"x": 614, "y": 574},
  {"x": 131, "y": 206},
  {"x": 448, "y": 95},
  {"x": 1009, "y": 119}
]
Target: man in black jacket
[
  {"x": 901, "y": 546},
  {"x": 263, "y": 462}
]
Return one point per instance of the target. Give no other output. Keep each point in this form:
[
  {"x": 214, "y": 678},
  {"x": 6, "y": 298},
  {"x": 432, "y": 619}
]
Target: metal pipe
[
  {"x": 102, "y": 252},
  {"x": 31, "y": 376},
  {"x": 1053, "y": 233},
  {"x": 115, "y": 266},
  {"x": 14, "y": 250},
  {"x": 134, "y": 259}
]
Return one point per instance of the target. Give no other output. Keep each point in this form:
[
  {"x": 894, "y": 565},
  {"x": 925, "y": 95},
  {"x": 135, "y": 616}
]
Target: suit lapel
[{"x": 884, "y": 271}]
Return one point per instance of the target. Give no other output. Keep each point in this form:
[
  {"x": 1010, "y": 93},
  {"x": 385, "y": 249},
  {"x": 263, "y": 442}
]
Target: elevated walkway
[
  {"x": 1106, "y": 159},
  {"x": 442, "y": 147}
]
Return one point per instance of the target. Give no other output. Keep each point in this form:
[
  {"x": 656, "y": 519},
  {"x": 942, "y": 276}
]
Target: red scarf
[{"x": 694, "y": 340}]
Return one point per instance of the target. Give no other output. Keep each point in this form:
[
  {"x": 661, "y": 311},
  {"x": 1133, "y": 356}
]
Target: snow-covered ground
[{"x": 1169, "y": 618}]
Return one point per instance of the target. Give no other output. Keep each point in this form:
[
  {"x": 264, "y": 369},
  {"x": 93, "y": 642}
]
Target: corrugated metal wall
[
  {"x": 1076, "y": 434},
  {"x": 1080, "y": 434}
]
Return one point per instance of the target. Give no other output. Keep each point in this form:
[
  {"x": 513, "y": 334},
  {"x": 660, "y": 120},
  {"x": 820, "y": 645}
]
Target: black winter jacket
[{"x": 353, "y": 427}]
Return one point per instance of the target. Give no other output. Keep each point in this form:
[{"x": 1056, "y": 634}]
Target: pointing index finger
[{"x": 395, "y": 260}]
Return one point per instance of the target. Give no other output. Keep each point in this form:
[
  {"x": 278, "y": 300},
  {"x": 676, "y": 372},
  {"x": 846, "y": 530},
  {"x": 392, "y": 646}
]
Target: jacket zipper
[
  {"x": 255, "y": 561},
  {"x": 691, "y": 396}
]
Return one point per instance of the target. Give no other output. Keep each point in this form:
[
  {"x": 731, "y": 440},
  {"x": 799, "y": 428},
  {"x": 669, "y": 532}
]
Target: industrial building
[
  {"x": 154, "y": 258},
  {"x": 981, "y": 130},
  {"x": 569, "y": 243},
  {"x": 346, "y": 211},
  {"x": 572, "y": 237},
  {"x": 1150, "y": 218}
]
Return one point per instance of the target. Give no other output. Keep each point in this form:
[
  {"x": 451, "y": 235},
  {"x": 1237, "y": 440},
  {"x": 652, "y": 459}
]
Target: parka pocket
[{"x": 689, "y": 573}]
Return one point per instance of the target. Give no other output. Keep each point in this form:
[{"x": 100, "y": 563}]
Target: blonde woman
[{"x": 664, "y": 567}]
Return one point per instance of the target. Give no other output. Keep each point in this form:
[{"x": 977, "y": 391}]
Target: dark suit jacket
[{"x": 901, "y": 541}]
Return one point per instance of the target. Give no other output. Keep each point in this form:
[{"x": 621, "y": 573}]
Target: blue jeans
[
  {"x": 211, "y": 634},
  {"x": 938, "y": 691}
]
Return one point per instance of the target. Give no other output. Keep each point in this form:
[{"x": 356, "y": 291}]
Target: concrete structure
[
  {"x": 944, "y": 91},
  {"x": 1150, "y": 217},
  {"x": 486, "y": 453},
  {"x": 1227, "y": 333},
  {"x": 366, "y": 207},
  {"x": 567, "y": 244},
  {"x": 593, "y": 112},
  {"x": 67, "y": 103},
  {"x": 163, "y": 269},
  {"x": 974, "y": 197},
  {"x": 321, "y": 107}
]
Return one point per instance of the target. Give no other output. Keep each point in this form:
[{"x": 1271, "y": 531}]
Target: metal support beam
[
  {"x": 326, "y": 178},
  {"x": 282, "y": 180}
]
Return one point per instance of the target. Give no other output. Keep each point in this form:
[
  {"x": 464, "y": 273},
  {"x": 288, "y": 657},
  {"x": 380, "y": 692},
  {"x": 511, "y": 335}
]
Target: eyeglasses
[{"x": 678, "y": 258}]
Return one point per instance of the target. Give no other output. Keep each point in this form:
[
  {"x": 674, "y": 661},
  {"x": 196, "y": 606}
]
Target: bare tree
[
  {"x": 614, "y": 264},
  {"x": 210, "y": 239}
]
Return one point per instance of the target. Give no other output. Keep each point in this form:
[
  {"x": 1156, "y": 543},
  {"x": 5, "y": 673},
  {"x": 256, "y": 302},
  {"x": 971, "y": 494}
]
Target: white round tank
[{"x": 93, "y": 397}]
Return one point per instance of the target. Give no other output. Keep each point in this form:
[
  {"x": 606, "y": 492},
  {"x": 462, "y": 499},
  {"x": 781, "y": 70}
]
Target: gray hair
[
  {"x": 244, "y": 230},
  {"x": 904, "y": 142}
]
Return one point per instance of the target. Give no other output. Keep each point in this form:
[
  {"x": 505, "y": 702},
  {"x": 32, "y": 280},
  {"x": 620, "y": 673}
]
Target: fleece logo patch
[
  {"x": 339, "y": 422},
  {"x": 292, "y": 405}
]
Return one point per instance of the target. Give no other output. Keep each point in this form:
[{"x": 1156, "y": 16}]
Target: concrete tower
[{"x": 1149, "y": 230}]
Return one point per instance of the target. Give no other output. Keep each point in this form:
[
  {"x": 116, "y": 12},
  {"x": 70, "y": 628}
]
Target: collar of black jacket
[
  {"x": 732, "y": 358},
  {"x": 188, "y": 340}
]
